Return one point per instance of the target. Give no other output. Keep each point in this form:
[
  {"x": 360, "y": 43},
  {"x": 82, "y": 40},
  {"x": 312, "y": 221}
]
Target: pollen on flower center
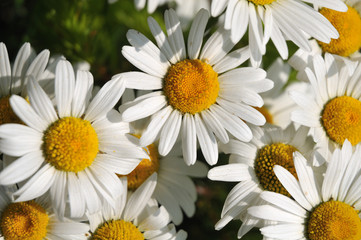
[
  {"x": 144, "y": 169},
  {"x": 348, "y": 25},
  {"x": 191, "y": 86},
  {"x": 334, "y": 220},
  {"x": 262, "y": 2},
  {"x": 269, "y": 156},
  {"x": 341, "y": 119},
  {"x": 116, "y": 230},
  {"x": 24, "y": 220},
  {"x": 268, "y": 116},
  {"x": 70, "y": 144},
  {"x": 7, "y": 114}
]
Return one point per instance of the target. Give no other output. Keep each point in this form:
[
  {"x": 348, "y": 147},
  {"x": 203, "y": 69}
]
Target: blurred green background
[{"x": 94, "y": 31}]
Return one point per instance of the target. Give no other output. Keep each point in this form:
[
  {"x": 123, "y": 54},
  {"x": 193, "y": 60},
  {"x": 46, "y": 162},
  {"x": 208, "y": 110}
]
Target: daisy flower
[
  {"x": 251, "y": 165},
  {"x": 278, "y": 105},
  {"x": 13, "y": 79},
  {"x": 35, "y": 219},
  {"x": 334, "y": 111},
  {"x": 345, "y": 48},
  {"x": 135, "y": 217},
  {"x": 282, "y": 19},
  {"x": 201, "y": 95},
  {"x": 74, "y": 149},
  {"x": 327, "y": 209}
]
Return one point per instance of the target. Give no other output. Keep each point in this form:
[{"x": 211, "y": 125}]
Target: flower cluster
[{"x": 117, "y": 162}]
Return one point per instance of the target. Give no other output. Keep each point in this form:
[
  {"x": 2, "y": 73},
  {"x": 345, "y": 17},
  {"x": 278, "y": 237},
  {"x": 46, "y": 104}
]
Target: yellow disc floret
[
  {"x": 191, "y": 86},
  {"x": 268, "y": 116},
  {"x": 348, "y": 25},
  {"x": 341, "y": 119},
  {"x": 117, "y": 230},
  {"x": 145, "y": 168},
  {"x": 24, "y": 220},
  {"x": 269, "y": 156},
  {"x": 7, "y": 114},
  {"x": 262, "y": 2},
  {"x": 334, "y": 220},
  {"x": 70, "y": 144}
]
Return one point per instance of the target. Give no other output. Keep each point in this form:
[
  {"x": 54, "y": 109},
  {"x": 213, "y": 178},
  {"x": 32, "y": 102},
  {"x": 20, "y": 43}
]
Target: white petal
[
  {"x": 157, "y": 220},
  {"x": 91, "y": 196},
  {"x": 175, "y": 34},
  {"x": 76, "y": 198},
  {"x": 40, "y": 101},
  {"x": 144, "y": 108},
  {"x": 214, "y": 125},
  {"x": 37, "y": 185},
  {"x": 230, "y": 173},
  {"x": 189, "y": 139},
  {"x": 5, "y": 70},
  {"x": 169, "y": 133},
  {"x": 21, "y": 168},
  {"x": 156, "y": 124},
  {"x": 218, "y": 7},
  {"x": 140, "y": 80},
  {"x": 140, "y": 198},
  {"x": 196, "y": 32},
  {"x": 58, "y": 193},
  {"x": 105, "y": 99},
  {"x": 82, "y": 93},
  {"x": 116, "y": 164},
  {"x": 207, "y": 141},
  {"x": 274, "y": 214},
  {"x": 27, "y": 114},
  {"x": 64, "y": 87}
]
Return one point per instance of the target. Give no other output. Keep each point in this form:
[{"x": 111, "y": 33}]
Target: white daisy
[
  {"x": 35, "y": 220},
  {"x": 319, "y": 210},
  {"x": 135, "y": 217},
  {"x": 201, "y": 95},
  {"x": 13, "y": 79},
  {"x": 278, "y": 105},
  {"x": 282, "y": 19},
  {"x": 334, "y": 111},
  {"x": 251, "y": 164},
  {"x": 345, "y": 48},
  {"x": 73, "y": 149}
]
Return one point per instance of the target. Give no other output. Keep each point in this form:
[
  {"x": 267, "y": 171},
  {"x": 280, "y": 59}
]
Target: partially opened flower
[
  {"x": 334, "y": 111},
  {"x": 277, "y": 20},
  {"x": 251, "y": 165},
  {"x": 318, "y": 210},
  {"x": 36, "y": 220},
  {"x": 198, "y": 91},
  {"x": 73, "y": 149},
  {"x": 134, "y": 217}
]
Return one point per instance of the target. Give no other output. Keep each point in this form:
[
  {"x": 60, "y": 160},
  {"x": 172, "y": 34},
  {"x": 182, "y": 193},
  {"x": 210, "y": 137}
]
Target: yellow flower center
[
  {"x": 269, "y": 156},
  {"x": 262, "y": 2},
  {"x": 268, "y": 116},
  {"x": 24, "y": 220},
  {"x": 191, "y": 86},
  {"x": 334, "y": 220},
  {"x": 144, "y": 169},
  {"x": 341, "y": 119},
  {"x": 7, "y": 114},
  {"x": 70, "y": 144},
  {"x": 348, "y": 25},
  {"x": 117, "y": 230}
]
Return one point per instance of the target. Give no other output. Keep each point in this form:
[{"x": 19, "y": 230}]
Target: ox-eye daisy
[
  {"x": 319, "y": 210},
  {"x": 134, "y": 217},
  {"x": 13, "y": 79},
  {"x": 35, "y": 220},
  {"x": 199, "y": 94},
  {"x": 334, "y": 111},
  {"x": 73, "y": 149},
  {"x": 345, "y": 48},
  {"x": 282, "y": 19},
  {"x": 251, "y": 164}
]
